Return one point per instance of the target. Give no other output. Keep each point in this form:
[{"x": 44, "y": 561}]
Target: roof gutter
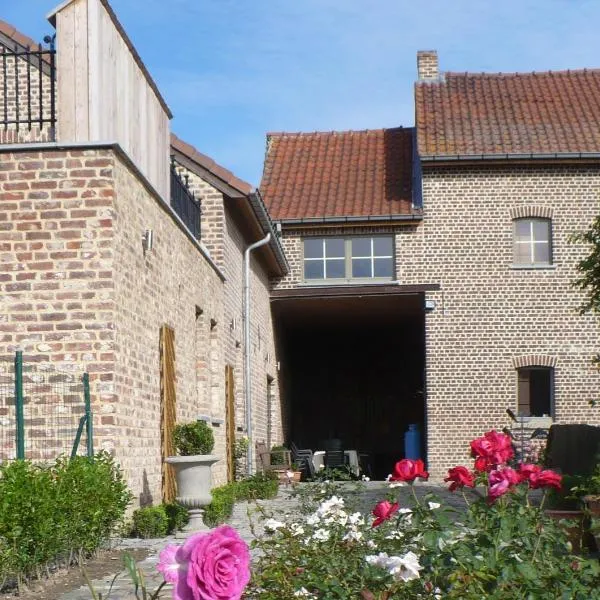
[
  {"x": 268, "y": 226},
  {"x": 362, "y": 219},
  {"x": 431, "y": 158}
]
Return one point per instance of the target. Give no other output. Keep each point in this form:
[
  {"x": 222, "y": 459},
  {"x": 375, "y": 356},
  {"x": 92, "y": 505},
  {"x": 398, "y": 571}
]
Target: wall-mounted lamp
[
  {"x": 147, "y": 240},
  {"x": 430, "y": 305}
]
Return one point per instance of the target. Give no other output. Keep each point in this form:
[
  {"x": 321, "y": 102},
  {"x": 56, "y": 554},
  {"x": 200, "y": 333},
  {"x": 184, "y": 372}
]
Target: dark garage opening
[{"x": 353, "y": 369}]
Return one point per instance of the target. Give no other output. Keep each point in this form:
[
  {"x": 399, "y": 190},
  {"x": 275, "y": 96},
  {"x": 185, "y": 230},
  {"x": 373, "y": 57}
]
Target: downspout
[{"x": 247, "y": 380}]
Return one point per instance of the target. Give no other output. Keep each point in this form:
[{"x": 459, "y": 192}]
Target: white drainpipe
[{"x": 247, "y": 379}]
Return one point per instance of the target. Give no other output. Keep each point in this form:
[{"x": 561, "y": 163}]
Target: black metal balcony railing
[
  {"x": 28, "y": 85},
  {"x": 184, "y": 203}
]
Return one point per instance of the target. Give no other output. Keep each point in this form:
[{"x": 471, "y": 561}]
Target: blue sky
[{"x": 231, "y": 70}]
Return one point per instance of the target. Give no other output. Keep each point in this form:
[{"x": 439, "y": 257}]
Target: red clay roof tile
[
  {"x": 210, "y": 165},
  {"x": 338, "y": 173},
  {"x": 509, "y": 113}
]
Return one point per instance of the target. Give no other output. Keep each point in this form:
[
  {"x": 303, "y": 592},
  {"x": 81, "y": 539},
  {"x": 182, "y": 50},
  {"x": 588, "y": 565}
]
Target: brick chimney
[{"x": 427, "y": 65}]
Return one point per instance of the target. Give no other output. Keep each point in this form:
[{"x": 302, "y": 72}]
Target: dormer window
[{"x": 341, "y": 260}]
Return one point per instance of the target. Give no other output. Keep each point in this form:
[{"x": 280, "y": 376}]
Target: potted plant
[{"x": 194, "y": 443}]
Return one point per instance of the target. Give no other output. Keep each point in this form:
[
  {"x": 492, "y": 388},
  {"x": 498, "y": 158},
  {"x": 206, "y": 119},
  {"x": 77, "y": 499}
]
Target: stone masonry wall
[
  {"x": 171, "y": 284},
  {"x": 489, "y": 314},
  {"x": 56, "y": 257},
  {"x": 21, "y": 90},
  {"x": 224, "y": 241}
]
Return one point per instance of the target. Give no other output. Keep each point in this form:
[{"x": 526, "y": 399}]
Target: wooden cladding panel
[
  {"x": 168, "y": 413},
  {"x": 103, "y": 94}
]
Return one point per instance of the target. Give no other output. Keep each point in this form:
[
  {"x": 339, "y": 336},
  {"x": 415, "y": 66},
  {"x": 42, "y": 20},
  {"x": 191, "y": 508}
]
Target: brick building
[
  {"x": 431, "y": 268},
  {"x": 107, "y": 259},
  {"x": 422, "y": 275}
]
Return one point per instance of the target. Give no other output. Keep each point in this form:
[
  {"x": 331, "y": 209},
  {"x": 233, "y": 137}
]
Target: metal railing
[
  {"x": 28, "y": 86},
  {"x": 184, "y": 202}
]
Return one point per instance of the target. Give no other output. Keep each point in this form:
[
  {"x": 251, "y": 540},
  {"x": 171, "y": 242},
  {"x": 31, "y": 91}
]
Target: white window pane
[
  {"x": 541, "y": 253},
  {"x": 361, "y": 267},
  {"x": 522, "y": 229},
  {"x": 334, "y": 248},
  {"x": 541, "y": 230},
  {"x": 313, "y": 248},
  {"x": 313, "y": 269},
  {"x": 522, "y": 254},
  {"x": 384, "y": 267},
  {"x": 335, "y": 269},
  {"x": 382, "y": 246},
  {"x": 361, "y": 246}
]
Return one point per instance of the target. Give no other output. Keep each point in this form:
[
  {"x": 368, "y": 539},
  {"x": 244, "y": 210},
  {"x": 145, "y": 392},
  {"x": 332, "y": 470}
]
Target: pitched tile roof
[
  {"x": 338, "y": 173},
  {"x": 10, "y": 32},
  {"x": 210, "y": 165},
  {"x": 551, "y": 112}
]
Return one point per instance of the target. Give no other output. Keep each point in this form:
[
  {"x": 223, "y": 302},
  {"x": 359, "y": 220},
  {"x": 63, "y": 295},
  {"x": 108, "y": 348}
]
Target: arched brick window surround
[
  {"x": 534, "y": 360},
  {"x": 531, "y": 212}
]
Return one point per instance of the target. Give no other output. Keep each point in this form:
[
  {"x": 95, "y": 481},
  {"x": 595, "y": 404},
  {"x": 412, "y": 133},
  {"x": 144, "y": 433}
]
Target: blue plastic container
[{"x": 412, "y": 442}]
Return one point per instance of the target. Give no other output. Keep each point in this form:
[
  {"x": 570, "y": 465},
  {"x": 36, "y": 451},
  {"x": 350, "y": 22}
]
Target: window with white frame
[
  {"x": 532, "y": 242},
  {"x": 349, "y": 259}
]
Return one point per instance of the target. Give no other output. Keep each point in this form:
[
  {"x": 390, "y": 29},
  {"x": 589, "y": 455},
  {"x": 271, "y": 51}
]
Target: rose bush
[{"x": 500, "y": 546}]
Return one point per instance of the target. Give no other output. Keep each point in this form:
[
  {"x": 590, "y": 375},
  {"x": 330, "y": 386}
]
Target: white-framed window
[
  {"x": 353, "y": 258},
  {"x": 532, "y": 242}
]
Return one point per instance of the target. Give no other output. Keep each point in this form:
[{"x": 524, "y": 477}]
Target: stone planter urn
[
  {"x": 194, "y": 482},
  {"x": 193, "y": 443}
]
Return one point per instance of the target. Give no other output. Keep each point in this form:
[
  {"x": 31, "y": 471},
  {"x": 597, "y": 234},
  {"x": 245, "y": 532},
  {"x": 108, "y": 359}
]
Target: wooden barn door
[
  {"x": 230, "y": 420},
  {"x": 168, "y": 413}
]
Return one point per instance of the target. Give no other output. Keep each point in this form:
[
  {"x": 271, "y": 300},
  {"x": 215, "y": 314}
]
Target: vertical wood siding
[{"x": 104, "y": 95}]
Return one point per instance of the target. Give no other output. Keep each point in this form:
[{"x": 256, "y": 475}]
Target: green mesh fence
[{"x": 43, "y": 411}]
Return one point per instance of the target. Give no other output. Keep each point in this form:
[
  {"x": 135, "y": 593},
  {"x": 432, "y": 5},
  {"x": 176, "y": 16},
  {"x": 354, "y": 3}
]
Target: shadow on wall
[{"x": 145, "y": 494}]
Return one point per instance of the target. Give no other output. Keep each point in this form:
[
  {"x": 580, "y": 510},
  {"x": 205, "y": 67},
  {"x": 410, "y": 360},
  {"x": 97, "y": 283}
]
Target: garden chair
[
  {"x": 335, "y": 459},
  {"x": 283, "y": 459},
  {"x": 304, "y": 459}
]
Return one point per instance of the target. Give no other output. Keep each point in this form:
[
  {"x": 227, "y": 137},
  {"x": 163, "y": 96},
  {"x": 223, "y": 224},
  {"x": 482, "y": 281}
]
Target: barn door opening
[
  {"x": 230, "y": 419},
  {"x": 168, "y": 414}
]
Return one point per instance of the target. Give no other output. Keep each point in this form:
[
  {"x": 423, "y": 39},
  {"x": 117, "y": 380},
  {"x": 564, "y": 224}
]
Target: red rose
[
  {"x": 491, "y": 450},
  {"x": 545, "y": 478},
  {"x": 408, "y": 470},
  {"x": 500, "y": 482},
  {"x": 460, "y": 476},
  {"x": 383, "y": 511},
  {"x": 527, "y": 470}
]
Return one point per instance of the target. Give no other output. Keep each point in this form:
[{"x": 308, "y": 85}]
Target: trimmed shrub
[
  {"x": 193, "y": 438},
  {"x": 257, "y": 487},
  {"x": 50, "y": 514},
  {"x": 150, "y": 522},
  {"x": 177, "y": 515}
]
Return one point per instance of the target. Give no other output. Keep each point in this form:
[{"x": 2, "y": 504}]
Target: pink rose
[
  {"x": 408, "y": 470},
  {"x": 209, "y": 566},
  {"x": 460, "y": 477},
  {"x": 383, "y": 511},
  {"x": 500, "y": 482}
]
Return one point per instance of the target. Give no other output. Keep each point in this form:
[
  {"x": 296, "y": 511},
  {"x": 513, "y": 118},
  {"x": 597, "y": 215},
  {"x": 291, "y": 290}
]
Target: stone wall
[
  {"x": 57, "y": 257},
  {"x": 171, "y": 284},
  {"x": 489, "y": 314}
]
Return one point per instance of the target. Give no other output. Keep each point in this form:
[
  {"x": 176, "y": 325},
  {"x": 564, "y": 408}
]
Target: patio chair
[
  {"x": 282, "y": 458},
  {"x": 335, "y": 459},
  {"x": 304, "y": 459}
]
